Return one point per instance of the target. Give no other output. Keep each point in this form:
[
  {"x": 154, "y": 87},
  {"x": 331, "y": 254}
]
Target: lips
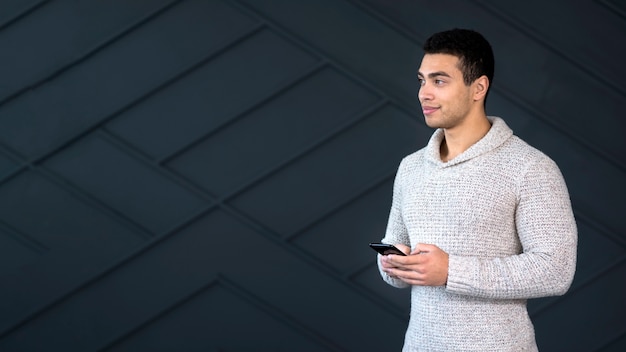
[{"x": 427, "y": 110}]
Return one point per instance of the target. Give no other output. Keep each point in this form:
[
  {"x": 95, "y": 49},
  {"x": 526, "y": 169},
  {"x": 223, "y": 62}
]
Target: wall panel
[{"x": 206, "y": 174}]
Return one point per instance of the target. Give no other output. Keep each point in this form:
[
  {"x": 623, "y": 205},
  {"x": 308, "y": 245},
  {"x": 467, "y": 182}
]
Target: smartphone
[{"x": 385, "y": 249}]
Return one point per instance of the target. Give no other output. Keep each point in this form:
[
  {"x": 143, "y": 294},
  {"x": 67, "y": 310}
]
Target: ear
[{"x": 481, "y": 86}]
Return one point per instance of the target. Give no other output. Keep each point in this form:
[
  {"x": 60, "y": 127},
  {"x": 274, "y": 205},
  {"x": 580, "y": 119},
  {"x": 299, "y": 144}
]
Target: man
[{"x": 484, "y": 218}]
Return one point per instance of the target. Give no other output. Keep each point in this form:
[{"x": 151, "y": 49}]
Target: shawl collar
[{"x": 497, "y": 135}]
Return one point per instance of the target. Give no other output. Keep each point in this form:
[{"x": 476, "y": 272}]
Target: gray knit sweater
[{"x": 502, "y": 212}]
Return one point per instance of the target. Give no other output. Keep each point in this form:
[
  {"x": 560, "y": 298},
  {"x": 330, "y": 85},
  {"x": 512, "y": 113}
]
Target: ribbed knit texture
[{"x": 502, "y": 212}]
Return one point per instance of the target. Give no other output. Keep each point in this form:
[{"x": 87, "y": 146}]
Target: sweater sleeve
[
  {"x": 548, "y": 235},
  {"x": 396, "y": 230}
]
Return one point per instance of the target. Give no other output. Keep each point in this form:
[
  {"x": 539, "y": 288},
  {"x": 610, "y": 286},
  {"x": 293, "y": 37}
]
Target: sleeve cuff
[{"x": 462, "y": 273}]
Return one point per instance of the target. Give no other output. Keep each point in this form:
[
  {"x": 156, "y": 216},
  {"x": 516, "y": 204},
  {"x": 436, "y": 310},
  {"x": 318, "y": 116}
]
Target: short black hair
[{"x": 473, "y": 50}]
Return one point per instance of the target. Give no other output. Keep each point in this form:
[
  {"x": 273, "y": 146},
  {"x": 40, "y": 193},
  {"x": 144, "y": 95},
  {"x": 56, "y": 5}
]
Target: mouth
[{"x": 427, "y": 110}]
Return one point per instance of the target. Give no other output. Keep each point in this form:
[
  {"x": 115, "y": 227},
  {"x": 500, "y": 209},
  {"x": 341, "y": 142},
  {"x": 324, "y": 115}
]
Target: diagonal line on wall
[
  {"x": 259, "y": 228},
  {"x": 580, "y": 286},
  {"x": 304, "y": 45},
  {"x": 85, "y": 56},
  {"x": 210, "y": 207},
  {"x": 106, "y": 271},
  {"x": 33, "y": 164},
  {"x": 400, "y": 29},
  {"x": 241, "y": 292},
  {"x": 612, "y": 160},
  {"x": 27, "y": 11},
  {"x": 79, "y": 194},
  {"x": 306, "y": 150},
  {"x": 138, "y": 155},
  {"x": 600, "y": 228},
  {"x": 221, "y": 201},
  {"x": 116, "y": 341},
  {"x": 82, "y": 195},
  {"x": 306, "y": 257},
  {"x": 94, "y": 202},
  {"x": 16, "y": 158},
  {"x": 617, "y": 162},
  {"x": 148, "y": 94},
  {"x": 607, "y": 344},
  {"x": 278, "y": 314},
  {"x": 383, "y": 301},
  {"x": 408, "y": 34},
  {"x": 612, "y": 7},
  {"x": 350, "y": 275},
  {"x": 217, "y": 203},
  {"x": 343, "y": 204},
  {"x": 23, "y": 238},
  {"x": 272, "y": 95},
  {"x": 160, "y": 237},
  {"x": 532, "y": 34}
]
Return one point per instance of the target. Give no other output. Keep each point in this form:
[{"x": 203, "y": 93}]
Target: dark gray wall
[{"x": 206, "y": 175}]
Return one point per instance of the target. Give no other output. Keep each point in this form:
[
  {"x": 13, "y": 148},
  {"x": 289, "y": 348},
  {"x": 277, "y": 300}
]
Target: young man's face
[{"x": 445, "y": 98}]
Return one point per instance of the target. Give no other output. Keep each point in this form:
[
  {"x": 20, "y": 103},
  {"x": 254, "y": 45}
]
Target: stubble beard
[{"x": 443, "y": 121}]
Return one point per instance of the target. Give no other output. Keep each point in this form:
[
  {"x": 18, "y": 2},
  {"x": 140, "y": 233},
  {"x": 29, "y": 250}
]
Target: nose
[{"x": 424, "y": 93}]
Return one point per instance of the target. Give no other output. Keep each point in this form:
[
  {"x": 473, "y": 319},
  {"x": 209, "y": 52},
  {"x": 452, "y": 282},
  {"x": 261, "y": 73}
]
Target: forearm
[
  {"x": 524, "y": 276},
  {"x": 396, "y": 231}
]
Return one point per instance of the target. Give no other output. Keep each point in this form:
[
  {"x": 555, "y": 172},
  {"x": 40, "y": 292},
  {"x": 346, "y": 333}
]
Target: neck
[{"x": 461, "y": 137}]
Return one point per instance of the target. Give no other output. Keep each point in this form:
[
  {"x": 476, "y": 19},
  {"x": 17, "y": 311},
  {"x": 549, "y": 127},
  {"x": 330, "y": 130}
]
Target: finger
[
  {"x": 389, "y": 261},
  {"x": 414, "y": 282},
  {"x": 422, "y": 248},
  {"x": 394, "y": 259},
  {"x": 419, "y": 248},
  {"x": 407, "y": 275},
  {"x": 412, "y": 277},
  {"x": 404, "y": 248},
  {"x": 408, "y": 261}
]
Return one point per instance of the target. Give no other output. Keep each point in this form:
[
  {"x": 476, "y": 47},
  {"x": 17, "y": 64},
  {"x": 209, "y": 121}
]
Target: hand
[
  {"x": 385, "y": 265},
  {"x": 426, "y": 265}
]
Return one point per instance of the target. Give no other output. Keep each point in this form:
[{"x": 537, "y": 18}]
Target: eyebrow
[{"x": 434, "y": 74}]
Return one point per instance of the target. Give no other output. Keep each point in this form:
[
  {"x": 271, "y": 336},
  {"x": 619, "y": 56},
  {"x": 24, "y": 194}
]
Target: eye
[
  {"x": 421, "y": 81},
  {"x": 439, "y": 82}
]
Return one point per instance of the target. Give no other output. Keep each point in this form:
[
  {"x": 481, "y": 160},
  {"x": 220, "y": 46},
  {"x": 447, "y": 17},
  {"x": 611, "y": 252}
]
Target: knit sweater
[{"x": 502, "y": 212}]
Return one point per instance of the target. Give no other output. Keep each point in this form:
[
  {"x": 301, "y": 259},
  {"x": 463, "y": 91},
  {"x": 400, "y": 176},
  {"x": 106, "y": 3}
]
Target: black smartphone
[{"x": 384, "y": 248}]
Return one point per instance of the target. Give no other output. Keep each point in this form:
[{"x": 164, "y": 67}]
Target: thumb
[{"x": 422, "y": 248}]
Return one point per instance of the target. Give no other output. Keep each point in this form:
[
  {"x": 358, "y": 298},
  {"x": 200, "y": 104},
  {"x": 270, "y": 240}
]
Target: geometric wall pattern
[{"x": 205, "y": 175}]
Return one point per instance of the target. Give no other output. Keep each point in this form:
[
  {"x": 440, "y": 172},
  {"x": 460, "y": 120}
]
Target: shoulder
[
  {"x": 520, "y": 153},
  {"x": 412, "y": 161},
  {"x": 530, "y": 167},
  {"x": 409, "y": 168},
  {"x": 513, "y": 150}
]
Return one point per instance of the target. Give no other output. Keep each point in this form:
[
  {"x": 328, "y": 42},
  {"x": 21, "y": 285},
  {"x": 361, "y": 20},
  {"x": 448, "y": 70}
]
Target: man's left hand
[{"x": 426, "y": 265}]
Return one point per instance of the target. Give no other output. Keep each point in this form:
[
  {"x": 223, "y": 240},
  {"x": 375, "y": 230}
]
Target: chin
[{"x": 432, "y": 123}]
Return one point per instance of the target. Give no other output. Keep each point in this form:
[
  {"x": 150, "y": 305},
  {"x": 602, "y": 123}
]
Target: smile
[{"x": 427, "y": 110}]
